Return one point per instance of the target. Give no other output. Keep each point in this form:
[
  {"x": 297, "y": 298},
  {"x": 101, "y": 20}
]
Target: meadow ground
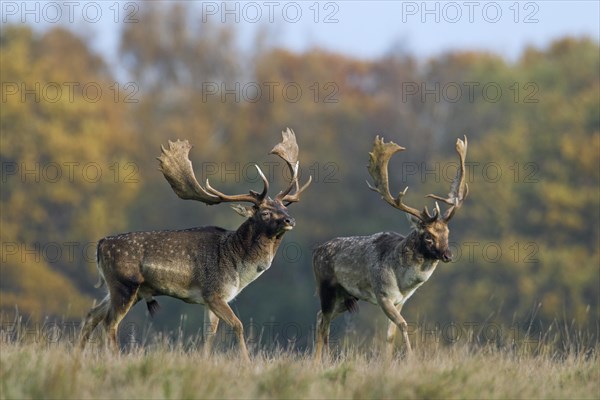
[{"x": 167, "y": 369}]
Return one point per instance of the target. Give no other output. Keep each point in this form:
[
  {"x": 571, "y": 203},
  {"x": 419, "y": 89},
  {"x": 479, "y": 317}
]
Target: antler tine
[
  {"x": 293, "y": 198},
  {"x": 293, "y": 182},
  {"x": 378, "y": 169},
  {"x": 434, "y": 215},
  {"x": 252, "y": 197},
  {"x": 459, "y": 189},
  {"x": 263, "y": 194},
  {"x": 287, "y": 149},
  {"x": 177, "y": 169}
]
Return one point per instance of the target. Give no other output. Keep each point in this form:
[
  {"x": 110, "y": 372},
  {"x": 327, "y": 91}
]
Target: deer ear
[
  {"x": 245, "y": 212},
  {"x": 414, "y": 221}
]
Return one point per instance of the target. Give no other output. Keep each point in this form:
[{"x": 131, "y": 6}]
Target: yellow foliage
[{"x": 546, "y": 152}]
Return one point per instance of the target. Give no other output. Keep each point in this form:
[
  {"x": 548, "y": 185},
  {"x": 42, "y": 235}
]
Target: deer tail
[
  {"x": 153, "y": 307},
  {"x": 101, "y": 280}
]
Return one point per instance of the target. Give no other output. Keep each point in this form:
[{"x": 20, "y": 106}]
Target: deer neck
[
  {"x": 255, "y": 248},
  {"x": 411, "y": 255}
]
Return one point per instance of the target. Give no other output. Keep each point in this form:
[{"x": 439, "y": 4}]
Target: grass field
[{"x": 167, "y": 369}]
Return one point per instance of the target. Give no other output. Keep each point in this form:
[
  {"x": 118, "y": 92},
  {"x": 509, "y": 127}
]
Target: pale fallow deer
[
  {"x": 207, "y": 265},
  {"x": 385, "y": 268}
]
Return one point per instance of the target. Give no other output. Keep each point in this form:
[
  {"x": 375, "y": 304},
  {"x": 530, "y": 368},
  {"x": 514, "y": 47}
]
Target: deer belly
[
  {"x": 359, "y": 287},
  {"x": 174, "y": 280}
]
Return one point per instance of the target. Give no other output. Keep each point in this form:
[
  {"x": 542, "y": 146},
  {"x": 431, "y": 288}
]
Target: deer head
[
  {"x": 271, "y": 213},
  {"x": 432, "y": 228}
]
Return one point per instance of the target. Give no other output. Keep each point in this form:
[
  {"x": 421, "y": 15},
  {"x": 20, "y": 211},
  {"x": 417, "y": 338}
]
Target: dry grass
[{"x": 164, "y": 369}]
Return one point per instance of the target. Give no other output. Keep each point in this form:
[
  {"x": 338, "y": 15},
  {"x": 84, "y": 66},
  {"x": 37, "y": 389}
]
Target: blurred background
[{"x": 91, "y": 90}]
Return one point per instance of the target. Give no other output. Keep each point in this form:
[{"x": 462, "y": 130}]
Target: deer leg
[
  {"x": 93, "y": 318},
  {"x": 322, "y": 333},
  {"x": 224, "y": 312},
  {"x": 394, "y": 315},
  {"x": 391, "y": 334},
  {"x": 211, "y": 323},
  {"x": 329, "y": 299},
  {"x": 122, "y": 299}
]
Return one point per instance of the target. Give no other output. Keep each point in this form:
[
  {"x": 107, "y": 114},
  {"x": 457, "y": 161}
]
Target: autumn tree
[{"x": 68, "y": 168}]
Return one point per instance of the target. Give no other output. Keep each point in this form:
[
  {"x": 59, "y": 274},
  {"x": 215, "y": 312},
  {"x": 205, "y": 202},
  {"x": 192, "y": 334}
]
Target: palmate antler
[
  {"x": 288, "y": 151},
  {"x": 459, "y": 190},
  {"x": 378, "y": 169},
  {"x": 177, "y": 169}
]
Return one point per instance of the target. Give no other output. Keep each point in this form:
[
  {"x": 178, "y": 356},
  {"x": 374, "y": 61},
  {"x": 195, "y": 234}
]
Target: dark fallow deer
[
  {"x": 207, "y": 265},
  {"x": 385, "y": 268}
]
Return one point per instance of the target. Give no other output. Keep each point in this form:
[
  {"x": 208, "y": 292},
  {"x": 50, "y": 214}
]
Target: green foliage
[{"x": 533, "y": 153}]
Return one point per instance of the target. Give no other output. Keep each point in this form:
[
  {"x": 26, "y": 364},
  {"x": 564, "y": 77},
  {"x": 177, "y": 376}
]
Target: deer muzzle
[
  {"x": 447, "y": 256},
  {"x": 289, "y": 223}
]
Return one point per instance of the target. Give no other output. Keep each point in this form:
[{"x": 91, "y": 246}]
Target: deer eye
[
  {"x": 428, "y": 239},
  {"x": 265, "y": 214}
]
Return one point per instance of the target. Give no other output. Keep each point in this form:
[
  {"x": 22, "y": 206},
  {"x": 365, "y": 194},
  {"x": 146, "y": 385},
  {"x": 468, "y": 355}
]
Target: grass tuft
[{"x": 160, "y": 368}]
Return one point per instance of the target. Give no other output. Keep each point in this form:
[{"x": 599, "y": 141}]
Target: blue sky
[
  {"x": 370, "y": 29},
  {"x": 359, "y": 28}
]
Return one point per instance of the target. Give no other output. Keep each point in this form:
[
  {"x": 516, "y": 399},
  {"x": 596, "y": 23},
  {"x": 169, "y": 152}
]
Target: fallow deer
[
  {"x": 206, "y": 265},
  {"x": 385, "y": 268}
]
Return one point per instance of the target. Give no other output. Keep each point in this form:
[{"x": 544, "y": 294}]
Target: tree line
[{"x": 78, "y": 150}]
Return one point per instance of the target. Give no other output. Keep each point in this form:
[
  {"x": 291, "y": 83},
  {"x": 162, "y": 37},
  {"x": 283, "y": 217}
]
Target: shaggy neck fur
[{"x": 254, "y": 244}]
